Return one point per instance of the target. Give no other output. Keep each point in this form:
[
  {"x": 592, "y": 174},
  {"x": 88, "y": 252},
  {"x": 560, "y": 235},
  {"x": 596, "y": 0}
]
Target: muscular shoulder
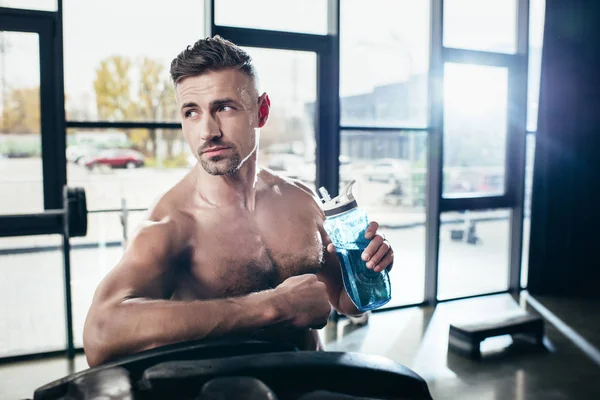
[
  {"x": 292, "y": 190},
  {"x": 168, "y": 218}
]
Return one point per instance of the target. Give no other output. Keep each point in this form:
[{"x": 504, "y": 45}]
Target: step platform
[{"x": 465, "y": 339}]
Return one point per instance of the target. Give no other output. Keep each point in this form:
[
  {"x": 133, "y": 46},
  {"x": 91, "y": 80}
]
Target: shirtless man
[{"x": 232, "y": 248}]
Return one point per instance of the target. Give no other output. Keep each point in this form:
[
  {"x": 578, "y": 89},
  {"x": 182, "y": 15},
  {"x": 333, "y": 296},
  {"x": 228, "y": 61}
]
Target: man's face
[{"x": 220, "y": 112}]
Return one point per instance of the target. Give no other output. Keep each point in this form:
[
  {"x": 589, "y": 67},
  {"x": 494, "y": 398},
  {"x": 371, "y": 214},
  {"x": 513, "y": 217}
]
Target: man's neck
[{"x": 237, "y": 189}]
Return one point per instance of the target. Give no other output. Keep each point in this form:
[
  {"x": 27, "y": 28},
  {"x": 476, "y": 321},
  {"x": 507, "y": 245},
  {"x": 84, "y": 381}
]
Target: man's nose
[{"x": 209, "y": 128}]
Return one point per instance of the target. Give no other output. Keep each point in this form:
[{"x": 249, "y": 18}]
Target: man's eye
[
  {"x": 191, "y": 113},
  {"x": 226, "y": 108}
]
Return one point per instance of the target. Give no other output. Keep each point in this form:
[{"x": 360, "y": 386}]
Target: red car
[{"x": 116, "y": 158}]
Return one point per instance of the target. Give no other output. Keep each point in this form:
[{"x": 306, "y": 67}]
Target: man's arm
[{"x": 131, "y": 311}]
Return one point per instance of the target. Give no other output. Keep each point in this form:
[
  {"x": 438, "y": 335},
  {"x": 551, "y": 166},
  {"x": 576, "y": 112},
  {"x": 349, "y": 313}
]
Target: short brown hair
[{"x": 211, "y": 54}]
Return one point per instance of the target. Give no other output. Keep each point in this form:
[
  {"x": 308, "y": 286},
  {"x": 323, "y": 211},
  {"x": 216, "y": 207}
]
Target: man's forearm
[{"x": 134, "y": 325}]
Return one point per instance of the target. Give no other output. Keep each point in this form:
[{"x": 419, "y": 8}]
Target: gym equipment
[
  {"x": 71, "y": 220},
  {"x": 187, "y": 370},
  {"x": 466, "y": 339}
]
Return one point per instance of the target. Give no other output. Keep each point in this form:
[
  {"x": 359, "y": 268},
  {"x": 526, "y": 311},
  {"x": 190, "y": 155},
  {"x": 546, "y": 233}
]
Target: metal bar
[
  {"x": 435, "y": 153},
  {"x": 27, "y": 14},
  {"x": 473, "y": 296},
  {"x": 46, "y": 249},
  {"x": 518, "y": 161},
  {"x": 328, "y": 118},
  {"x": 54, "y": 174},
  {"x": 122, "y": 125},
  {"x": 382, "y": 128},
  {"x": 402, "y": 307},
  {"x": 47, "y": 223},
  {"x": 124, "y": 220},
  {"x": 209, "y": 18},
  {"x": 116, "y": 210},
  {"x": 67, "y": 276},
  {"x": 275, "y": 39},
  {"x": 59, "y": 164},
  {"x": 463, "y": 56},
  {"x": 37, "y": 356},
  {"x": 475, "y": 203},
  {"x": 333, "y": 17},
  {"x": 60, "y": 137}
]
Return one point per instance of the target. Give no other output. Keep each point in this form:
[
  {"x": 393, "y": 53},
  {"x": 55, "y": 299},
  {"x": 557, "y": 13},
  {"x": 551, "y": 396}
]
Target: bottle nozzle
[{"x": 324, "y": 194}]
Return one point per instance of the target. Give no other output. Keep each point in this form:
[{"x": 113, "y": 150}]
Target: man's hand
[
  {"x": 303, "y": 301},
  {"x": 379, "y": 254}
]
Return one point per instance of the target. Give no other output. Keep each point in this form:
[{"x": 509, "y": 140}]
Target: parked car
[
  {"x": 307, "y": 171},
  {"x": 115, "y": 158},
  {"x": 76, "y": 153},
  {"x": 388, "y": 170}
]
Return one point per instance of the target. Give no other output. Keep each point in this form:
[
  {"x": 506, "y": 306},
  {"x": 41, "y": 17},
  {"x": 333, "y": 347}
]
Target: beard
[{"x": 221, "y": 164}]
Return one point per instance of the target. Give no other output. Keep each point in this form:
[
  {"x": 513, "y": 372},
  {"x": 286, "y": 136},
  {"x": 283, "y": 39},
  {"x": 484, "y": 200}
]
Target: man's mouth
[{"x": 215, "y": 151}]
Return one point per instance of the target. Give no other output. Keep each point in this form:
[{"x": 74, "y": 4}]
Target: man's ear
[{"x": 264, "y": 107}]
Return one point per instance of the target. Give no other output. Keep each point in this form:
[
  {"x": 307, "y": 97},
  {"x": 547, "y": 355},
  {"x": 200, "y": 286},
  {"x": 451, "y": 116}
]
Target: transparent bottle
[{"x": 346, "y": 224}]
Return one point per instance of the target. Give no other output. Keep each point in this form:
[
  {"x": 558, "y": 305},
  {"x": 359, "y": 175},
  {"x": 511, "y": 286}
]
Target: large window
[
  {"x": 474, "y": 253},
  {"x": 137, "y": 165},
  {"x": 115, "y": 75},
  {"x": 390, "y": 173},
  {"x": 307, "y": 16},
  {"x": 116, "y": 68},
  {"x": 475, "y": 129},
  {"x": 117, "y": 63},
  {"x": 384, "y": 51},
  {"x": 287, "y": 141},
  {"x": 489, "y": 25},
  {"x": 32, "y": 295},
  {"x": 384, "y": 66},
  {"x": 20, "y": 129}
]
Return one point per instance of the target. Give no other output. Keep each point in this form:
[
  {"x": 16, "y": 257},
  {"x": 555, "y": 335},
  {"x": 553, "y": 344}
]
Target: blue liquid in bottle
[{"x": 346, "y": 225}]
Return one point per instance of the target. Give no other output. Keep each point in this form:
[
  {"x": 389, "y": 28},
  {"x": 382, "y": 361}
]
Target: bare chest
[{"x": 236, "y": 254}]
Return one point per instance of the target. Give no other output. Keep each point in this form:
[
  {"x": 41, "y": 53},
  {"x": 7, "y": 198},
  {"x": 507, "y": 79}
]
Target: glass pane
[
  {"x": 530, "y": 158},
  {"x": 475, "y": 126},
  {"x": 32, "y": 315},
  {"x": 43, "y": 5},
  {"x": 537, "y": 9},
  {"x": 307, "y": 16},
  {"x": 390, "y": 170},
  {"x": 20, "y": 139},
  {"x": 122, "y": 73},
  {"x": 481, "y": 25},
  {"x": 384, "y": 62},
  {"x": 287, "y": 142},
  {"x": 135, "y": 165},
  {"x": 473, "y": 256}
]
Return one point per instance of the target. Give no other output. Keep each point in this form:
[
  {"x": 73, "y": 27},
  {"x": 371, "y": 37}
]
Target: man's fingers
[
  {"x": 331, "y": 248},
  {"x": 372, "y": 248},
  {"x": 371, "y": 230},
  {"x": 378, "y": 255},
  {"x": 387, "y": 262}
]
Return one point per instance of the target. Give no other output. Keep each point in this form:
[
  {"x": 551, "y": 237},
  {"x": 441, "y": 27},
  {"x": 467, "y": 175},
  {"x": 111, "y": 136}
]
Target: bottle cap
[{"x": 340, "y": 204}]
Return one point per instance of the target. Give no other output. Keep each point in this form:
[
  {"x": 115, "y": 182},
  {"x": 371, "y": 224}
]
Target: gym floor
[{"x": 568, "y": 368}]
